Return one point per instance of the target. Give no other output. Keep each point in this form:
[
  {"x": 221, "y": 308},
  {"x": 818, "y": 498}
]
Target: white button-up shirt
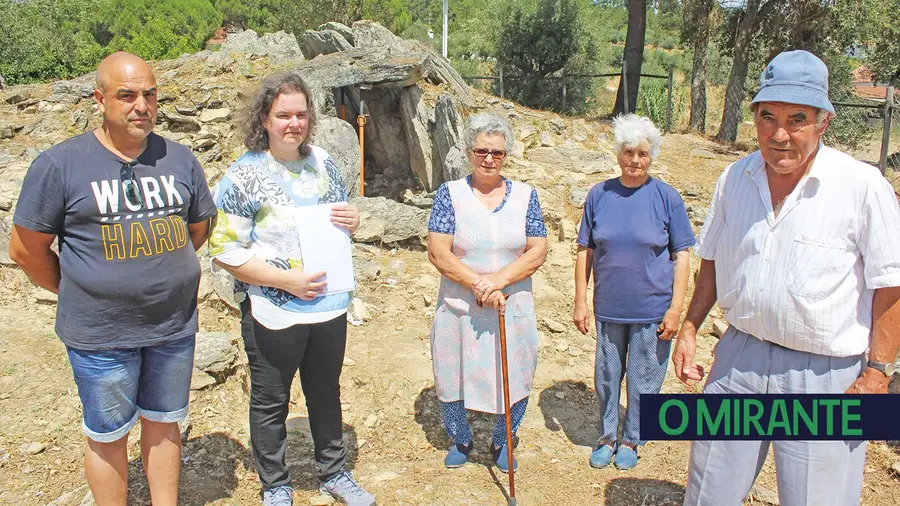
[{"x": 804, "y": 279}]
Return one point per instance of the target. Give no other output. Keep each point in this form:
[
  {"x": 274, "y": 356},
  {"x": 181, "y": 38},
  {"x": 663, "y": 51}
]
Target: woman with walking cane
[{"x": 486, "y": 237}]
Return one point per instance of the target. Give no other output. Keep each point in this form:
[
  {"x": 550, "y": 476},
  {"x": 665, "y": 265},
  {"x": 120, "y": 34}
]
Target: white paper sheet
[{"x": 325, "y": 247}]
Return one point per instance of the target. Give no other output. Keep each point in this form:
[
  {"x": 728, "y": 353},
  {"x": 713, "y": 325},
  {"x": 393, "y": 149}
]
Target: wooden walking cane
[{"x": 509, "y": 442}]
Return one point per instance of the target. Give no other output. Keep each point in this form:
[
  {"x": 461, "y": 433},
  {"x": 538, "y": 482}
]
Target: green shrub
[
  {"x": 160, "y": 29},
  {"x": 47, "y": 39},
  {"x": 652, "y": 99}
]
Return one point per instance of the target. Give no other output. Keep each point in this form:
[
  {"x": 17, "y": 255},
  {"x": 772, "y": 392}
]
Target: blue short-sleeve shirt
[{"x": 634, "y": 233}]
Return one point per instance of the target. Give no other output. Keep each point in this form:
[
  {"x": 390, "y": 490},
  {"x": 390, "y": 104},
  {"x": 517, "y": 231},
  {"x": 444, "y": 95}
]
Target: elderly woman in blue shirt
[{"x": 634, "y": 239}]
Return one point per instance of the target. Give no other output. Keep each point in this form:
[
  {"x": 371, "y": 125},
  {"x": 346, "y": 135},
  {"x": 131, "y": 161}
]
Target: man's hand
[
  {"x": 669, "y": 326},
  {"x": 345, "y": 216},
  {"x": 872, "y": 381},
  {"x": 304, "y": 285},
  {"x": 581, "y": 316},
  {"x": 487, "y": 285},
  {"x": 683, "y": 355}
]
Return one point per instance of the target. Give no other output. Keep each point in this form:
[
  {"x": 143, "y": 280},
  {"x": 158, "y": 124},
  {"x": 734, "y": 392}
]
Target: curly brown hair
[{"x": 256, "y": 138}]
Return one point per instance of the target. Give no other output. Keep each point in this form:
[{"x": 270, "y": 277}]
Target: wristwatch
[{"x": 887, "y": 368}]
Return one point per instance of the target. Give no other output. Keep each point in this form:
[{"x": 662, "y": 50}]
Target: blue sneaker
[
  {"x": 278, "y": 496},
  {"x": 626, "y": 457},
  {"x": 602, "y": 456},
  {"x": 345, "y": 489},
  {"x": 457, "y": 456},
  {"x": 501, "y": 459}
]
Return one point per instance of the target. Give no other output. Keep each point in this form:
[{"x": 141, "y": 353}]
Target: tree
[
  {"x": 748, "y": 26},
  {"x": 47, "y": 39},
  {"x": 246, "y": 14},
  {"x": 535, "y": 44},
  {"x": 698, "y": 19},
  {"x": 873, "y": 24},
  {"x": 669, "y": 14},
  {"x": 160, "y": 29},
  {"x": 634, "y": 55}
]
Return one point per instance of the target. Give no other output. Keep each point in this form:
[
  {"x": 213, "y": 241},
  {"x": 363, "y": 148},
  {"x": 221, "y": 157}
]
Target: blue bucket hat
[{"x": 795, "y": 77}]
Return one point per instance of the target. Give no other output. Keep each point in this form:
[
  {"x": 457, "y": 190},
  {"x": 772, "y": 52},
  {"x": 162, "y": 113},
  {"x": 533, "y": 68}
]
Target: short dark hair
[{"x": 256, "y": 138}]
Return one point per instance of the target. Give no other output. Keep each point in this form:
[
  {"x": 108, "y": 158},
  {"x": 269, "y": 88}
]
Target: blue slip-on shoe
[
  {"x": 278, "y": 496},
  {"x": 345, "y": 489},
  {"x": 457, "y": 456},
  {"x": 626, "y": 457},
  {"x": 602, "y": 456},
  {"x": 501, "y": 459}
]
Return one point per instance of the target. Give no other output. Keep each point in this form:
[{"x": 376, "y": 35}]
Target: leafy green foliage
[
  {"x": 160, "y": 29},
  {"x": 874, "y": 25},
  {"x": 541, "y": 41},
  {"x": 47, "y": 39},
  {"x": 652, "y": 100},
  {"x": 850, "y": 128}
]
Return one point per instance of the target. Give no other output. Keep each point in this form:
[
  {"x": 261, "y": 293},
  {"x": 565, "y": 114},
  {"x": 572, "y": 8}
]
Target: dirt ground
[{"x": 392, "y": 424}]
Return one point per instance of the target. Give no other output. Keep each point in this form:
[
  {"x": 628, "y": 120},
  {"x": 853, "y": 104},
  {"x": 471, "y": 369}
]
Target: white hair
[
  {"x": 488, "y": 123},
  {"x": 631, "y": 130},
  {"x": 821, "y": 116}
]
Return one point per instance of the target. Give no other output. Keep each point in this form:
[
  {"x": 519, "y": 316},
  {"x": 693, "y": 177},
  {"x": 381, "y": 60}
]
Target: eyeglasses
[
  {"x": 496, "y": 154},
  {"x": 130, "y": 184}
]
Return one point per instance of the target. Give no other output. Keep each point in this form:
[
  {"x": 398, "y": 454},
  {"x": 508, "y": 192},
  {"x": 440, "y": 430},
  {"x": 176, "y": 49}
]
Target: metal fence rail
[
  {"x": 565, "y": 77},
  {"x": 889, "y": 109}
]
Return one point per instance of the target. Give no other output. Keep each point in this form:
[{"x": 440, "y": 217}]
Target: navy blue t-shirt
[
  {"x": 634, "y": 233},
  {"x": 129, "y": 272}
]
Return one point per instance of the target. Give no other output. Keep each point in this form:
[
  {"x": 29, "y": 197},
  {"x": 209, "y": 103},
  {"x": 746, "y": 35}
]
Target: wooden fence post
[
  {"x": 500, "y": 68},
  {"x": 886, "y": 134},
  {"x": 563, "y": 91},
  {"x": 669, "y": 100}
]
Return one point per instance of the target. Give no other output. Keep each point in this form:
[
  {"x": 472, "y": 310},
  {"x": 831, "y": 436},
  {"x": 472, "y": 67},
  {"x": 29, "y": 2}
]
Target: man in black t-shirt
[{"x": 129, "y": 209}]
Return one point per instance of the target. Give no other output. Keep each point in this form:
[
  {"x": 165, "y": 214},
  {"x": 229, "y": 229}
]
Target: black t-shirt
[{"x": 129, "y": 273}]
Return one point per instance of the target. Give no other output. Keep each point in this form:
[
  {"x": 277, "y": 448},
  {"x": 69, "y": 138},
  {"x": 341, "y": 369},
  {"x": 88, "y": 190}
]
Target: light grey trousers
[{"x": 820, "y": 473}]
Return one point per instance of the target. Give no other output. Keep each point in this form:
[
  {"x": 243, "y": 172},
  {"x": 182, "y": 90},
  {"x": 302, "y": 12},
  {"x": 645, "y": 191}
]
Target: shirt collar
[{"x": 297, "y": 167}]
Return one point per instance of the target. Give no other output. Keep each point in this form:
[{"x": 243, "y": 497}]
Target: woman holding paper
[
  {"x": 486, "y": 237},
  {"x": 290, "y": 319}
]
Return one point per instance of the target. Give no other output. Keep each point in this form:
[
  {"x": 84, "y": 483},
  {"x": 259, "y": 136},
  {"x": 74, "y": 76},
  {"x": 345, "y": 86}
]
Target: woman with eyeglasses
[
  {"x": 486, "y": 237},
  {"x": 289, "y": 322}
]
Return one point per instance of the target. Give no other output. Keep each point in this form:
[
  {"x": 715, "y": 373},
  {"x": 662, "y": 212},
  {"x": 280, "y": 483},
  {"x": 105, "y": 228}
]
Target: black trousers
[{"x": 317, "y": 350}]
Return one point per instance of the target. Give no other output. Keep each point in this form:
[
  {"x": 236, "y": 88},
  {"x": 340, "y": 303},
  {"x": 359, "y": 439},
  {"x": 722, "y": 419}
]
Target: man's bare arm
[
  {"x": 31, "y": 251},
  {"x": 701, "y": 303},
  {"x": 885, "y": 341},
  {"x": 199, "y": 232}
]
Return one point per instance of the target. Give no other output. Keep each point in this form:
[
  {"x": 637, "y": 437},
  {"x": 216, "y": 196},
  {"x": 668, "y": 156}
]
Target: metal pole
[
  {"x": 564, "y": 90},
  {"x": 669, "y": 100},
  {"x": 444, "y": 30},
  {"x": 361, "y": 121},
  {"x": 500, "y": 68},
  {"x": 886, "y": 135},
  {"x": 624, "y": 85}
]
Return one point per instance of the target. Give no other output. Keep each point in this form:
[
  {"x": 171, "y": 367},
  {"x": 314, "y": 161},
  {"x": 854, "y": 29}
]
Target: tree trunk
[
  {"x": 698, "y": 73},
  {"x": 734, "y": 94},
  {"x": 634, "y": 54}
]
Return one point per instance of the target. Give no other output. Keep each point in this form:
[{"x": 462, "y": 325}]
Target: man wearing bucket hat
[{"x": 800, "y": 249}]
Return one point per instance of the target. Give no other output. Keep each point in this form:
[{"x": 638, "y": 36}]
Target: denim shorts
[{"x": 118, "y": 386}]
